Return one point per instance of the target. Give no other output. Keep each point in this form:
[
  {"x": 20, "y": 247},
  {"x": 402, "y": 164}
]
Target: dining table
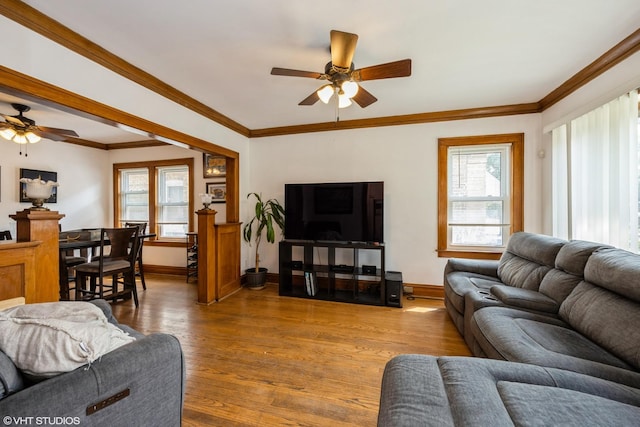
[{"x": 85, "y": 238}]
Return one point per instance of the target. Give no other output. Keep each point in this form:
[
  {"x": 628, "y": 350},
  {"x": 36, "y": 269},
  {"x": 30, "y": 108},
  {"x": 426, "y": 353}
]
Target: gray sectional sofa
[
  {"x": 137, "y": 384},
  {"x": 547, "y": 309}
]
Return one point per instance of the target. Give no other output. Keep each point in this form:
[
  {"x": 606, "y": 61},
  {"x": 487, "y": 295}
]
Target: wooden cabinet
[
  {"x": 18, "y": 271},
  {"x": 347, "y": 272}
]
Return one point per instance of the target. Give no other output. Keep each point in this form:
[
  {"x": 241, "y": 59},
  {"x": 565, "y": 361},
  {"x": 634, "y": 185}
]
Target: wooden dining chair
[
  {"x": 71, "y": 258},
  {"x": 142, "y": 228},
  {"x": 118, "y": 251}
]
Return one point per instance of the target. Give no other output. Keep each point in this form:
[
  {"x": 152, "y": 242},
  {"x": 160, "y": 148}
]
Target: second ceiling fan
[{"x": 342, "y": 78}]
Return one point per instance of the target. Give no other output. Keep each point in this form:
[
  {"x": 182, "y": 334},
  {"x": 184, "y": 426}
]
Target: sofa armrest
[
  {"x": 485, "y": 267},
  {"x": 525, "y": 298},
  {"x": 141, "y": 383}
]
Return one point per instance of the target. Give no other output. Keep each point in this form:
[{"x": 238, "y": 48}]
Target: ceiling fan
[
  {"x": 22, "y": 130},
  {"x": 341, "y": 76}
]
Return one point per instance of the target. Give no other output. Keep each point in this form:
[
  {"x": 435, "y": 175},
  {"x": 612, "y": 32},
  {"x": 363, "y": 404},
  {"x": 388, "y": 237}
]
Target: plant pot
[{"x": 256, "y": 280}]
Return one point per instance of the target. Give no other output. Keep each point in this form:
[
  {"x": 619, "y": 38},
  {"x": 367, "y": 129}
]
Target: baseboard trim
[
  {"x": 165, "y": 269},
  {"x": 426, "y": 291}
]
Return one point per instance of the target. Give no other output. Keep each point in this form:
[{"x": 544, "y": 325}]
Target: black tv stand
[{"x": 333, "y": 271}]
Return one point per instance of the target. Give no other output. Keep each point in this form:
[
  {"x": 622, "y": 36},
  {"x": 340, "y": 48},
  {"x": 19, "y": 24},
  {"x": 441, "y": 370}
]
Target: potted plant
[{"x": 267, "y": 213}]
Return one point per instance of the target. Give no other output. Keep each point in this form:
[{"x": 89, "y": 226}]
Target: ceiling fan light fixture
[
  {"x": 350, "y": 88},
  {"x": 20, "y": 138},
  {"x": 8, "y": 133},
  {"x": 32, "y": 137},
  {"x": 343, "y": 101},
  {"x": 325, "y": 93}
]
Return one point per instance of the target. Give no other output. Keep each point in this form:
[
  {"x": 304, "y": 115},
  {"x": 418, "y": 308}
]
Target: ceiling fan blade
[
  {"x": 67, "y": 132},
  {"x": 343, "y": 46},
  {"x": 49, "y": 135},
  {"x": 310, "y": 100},
  {"x": 364, "y": 98},
  {"x": 295, "y": 73},
  {"x": 14, "y": 120},
  {"x": 383, "y": 71}
]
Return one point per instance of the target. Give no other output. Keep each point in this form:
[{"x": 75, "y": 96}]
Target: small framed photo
[
  {"x": 213, "y": 166},
  {"x": 218, "y": 190}
]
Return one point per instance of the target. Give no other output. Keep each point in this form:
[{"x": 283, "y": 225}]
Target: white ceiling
[{"x": 465, "y": 53}]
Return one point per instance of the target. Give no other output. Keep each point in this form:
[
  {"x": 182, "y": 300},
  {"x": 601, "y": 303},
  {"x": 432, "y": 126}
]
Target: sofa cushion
[
  {"x": 459, "y": 391},
  {"x": 616, "y": 270},
  {"x": 573, "y": 256},
  {"x": 525, "y": 298},
  {"x": 47, "y": 339},
  {"x": 521, "y": 336},
  {"x": 527, "y": 259},
  {"x": 606, "y": 318},
  {"x": 10, "y": 378}
]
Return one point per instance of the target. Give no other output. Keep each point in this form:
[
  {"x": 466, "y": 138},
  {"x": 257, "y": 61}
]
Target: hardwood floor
[{"x": 258, "y": 359}]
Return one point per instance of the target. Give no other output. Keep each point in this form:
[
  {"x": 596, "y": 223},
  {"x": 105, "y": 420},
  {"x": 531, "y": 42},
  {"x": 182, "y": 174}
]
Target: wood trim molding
[
  {"x": 40, "y": 23},
  {"x": 517, "y": 188},
  {"x": 426, "y": 291},
  {"x": 18, "y": 84},
  {"x": 440, "y": 116}
]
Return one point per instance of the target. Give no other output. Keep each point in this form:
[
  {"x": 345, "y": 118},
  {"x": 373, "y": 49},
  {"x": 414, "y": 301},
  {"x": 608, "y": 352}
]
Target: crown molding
[{"x": 408, "y": 119}]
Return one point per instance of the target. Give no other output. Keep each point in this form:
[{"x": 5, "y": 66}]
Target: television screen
[{"x": 345, "y": 212}]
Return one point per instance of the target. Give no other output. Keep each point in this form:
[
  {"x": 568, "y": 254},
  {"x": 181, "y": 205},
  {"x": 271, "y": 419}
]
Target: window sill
[
  {"x": 166, "y": 243},
  {"x": 469, "y": 254}
]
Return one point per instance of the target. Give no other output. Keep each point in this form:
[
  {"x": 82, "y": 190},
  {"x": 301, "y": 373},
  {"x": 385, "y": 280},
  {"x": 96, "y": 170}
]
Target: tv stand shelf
[{"x": 333, "y": 271}]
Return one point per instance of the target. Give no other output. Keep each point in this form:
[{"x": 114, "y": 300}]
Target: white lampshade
[
  {"x": 343, "y": 101},
  {"x": 20, "y": 138},
  {"x": 32, "y": 137},
  {"x": 325, "y": 93},
  {"x": 7, "y": 133},
  {"x": 350, "y": 88}
]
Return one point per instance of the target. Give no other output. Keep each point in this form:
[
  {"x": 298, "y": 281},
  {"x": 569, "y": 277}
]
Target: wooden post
[
  {"x": 207, "y": 286},
  {"x": 43, "y": 226}
]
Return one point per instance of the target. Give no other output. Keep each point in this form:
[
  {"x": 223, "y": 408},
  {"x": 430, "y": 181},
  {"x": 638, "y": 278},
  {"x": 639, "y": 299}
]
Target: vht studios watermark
[{"x": 40, "y": 421}]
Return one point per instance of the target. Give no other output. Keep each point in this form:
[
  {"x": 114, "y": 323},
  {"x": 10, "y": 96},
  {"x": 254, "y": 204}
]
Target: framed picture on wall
[
  {"x": 43, "y": 175},
  {"x": 213, "y": 166},
  {"x": 218, "y": 190}
]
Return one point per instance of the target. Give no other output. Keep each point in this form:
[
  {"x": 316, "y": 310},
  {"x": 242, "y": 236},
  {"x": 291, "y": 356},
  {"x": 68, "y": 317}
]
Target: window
[
  {"x": 158, "y": 193},
  {"x": 480, "y": 194}
]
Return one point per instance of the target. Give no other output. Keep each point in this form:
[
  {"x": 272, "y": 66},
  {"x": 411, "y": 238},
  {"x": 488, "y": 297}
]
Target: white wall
[
  {"x": 82, "y": 176},
  {"x": 405, "y": 158}
]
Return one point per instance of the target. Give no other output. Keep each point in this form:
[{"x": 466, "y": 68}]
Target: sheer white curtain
[
  {"x": 560, "y": 172},
  {"x": 602, "y": 171}
]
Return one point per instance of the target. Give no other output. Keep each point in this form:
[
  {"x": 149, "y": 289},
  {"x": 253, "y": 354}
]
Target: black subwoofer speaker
[{"x": 393, "y": 288}]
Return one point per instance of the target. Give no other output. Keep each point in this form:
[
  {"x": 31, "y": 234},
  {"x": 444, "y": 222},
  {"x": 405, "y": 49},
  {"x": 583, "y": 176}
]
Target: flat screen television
[{"x": 344, "y": 212}]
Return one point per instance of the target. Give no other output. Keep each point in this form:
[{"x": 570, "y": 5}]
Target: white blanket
[{"x": 48, "y": 339}]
